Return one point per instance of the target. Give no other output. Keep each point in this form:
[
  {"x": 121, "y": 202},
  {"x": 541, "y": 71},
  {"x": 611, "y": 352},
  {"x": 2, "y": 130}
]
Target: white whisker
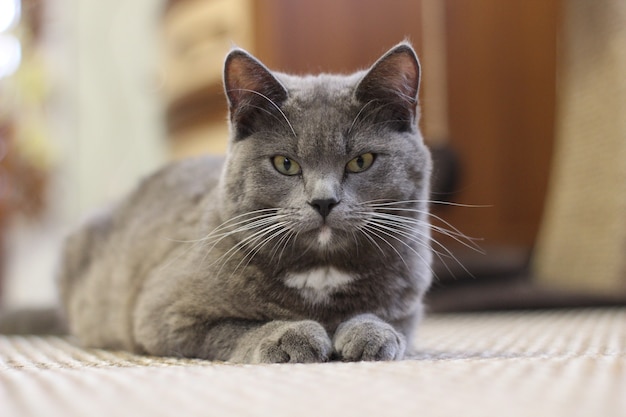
[
  {"x": 407, "y": 221},
  {"x": 448, "y": 254},
  {"x": 385, "y": 202},
  {"x": 259, "y": 245},
  {"x": 273, "y": 104},
  {"x": 358, "y": 114},
  {"x": 374, "y": 231},
  {"x": 252, "y": 239},
  {"x": 381, "y": 229},
  {"x": 454, "y": 232}
]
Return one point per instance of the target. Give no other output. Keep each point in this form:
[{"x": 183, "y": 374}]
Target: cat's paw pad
[
  {"x": 367, "y": 338},
  {"x": 301, "y": 342}
]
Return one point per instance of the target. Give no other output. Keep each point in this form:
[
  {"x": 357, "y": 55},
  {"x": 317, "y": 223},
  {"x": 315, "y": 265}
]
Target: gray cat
[{"x": 309, "y": 242}]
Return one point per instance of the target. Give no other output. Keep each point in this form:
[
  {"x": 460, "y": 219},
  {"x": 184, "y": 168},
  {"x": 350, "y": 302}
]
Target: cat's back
[
  {"x": 168, "y": 207},
  {"x": 110, "y": 256},
  {"x": 160, "y": 206},
  {"x": 185, "y": 179}
]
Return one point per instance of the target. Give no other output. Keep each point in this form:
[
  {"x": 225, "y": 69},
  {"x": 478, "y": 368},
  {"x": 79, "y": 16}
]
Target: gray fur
[{"x": 180, "y": 269}]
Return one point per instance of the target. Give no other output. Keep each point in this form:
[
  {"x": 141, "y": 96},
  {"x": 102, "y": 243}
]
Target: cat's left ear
[
  {"x": 252, "y": 91},
  {"x": 393, "y": 83}
]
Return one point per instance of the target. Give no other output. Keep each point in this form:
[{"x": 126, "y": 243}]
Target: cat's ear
[
  {"x": 392, "y": 84},
  {"x": 252, "y": 91}
]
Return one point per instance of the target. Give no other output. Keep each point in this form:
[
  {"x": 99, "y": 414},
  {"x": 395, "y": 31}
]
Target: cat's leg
[
  {"x": 368, "y": 338},
  {"x": 239, "y": 341},
  {"x": 283, "y": 341}
]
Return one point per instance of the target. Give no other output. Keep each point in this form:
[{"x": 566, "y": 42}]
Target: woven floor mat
[{"x": 553, "y": 363}]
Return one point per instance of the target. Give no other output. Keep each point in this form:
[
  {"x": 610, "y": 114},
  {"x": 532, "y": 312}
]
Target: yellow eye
[
  {"x": 286, "y": 166},
  {"x": 360, "y": 163}
]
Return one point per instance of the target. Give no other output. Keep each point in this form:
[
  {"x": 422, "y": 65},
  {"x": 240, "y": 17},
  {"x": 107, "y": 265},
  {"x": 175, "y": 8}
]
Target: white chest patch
[{"x": 317, "y": 284}]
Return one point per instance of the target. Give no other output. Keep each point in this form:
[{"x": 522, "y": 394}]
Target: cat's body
[{"x": 309, "y": 241}]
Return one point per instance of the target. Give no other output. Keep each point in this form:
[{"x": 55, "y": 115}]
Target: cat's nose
[{"x": 324, "y": 206}]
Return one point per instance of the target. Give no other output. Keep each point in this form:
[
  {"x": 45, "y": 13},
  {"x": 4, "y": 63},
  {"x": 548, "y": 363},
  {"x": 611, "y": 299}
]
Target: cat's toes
[
  {"x": 301, "y": 342},
  {"x": 367, "y": 338}
]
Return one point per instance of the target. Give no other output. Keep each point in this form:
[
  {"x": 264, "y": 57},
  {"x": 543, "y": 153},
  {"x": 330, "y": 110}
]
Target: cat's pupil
[
  {"x": 360, "y": 162},
  {"x": 287, "y": 164}
]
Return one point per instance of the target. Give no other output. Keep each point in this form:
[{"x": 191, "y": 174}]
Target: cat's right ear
[
  {"x": 393, "y": 82},
  {"x": 252, "y": 91}
]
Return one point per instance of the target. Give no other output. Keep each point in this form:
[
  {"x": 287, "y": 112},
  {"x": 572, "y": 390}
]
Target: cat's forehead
[
  {"x": 320, "y": 108},
  {"x": 322, "y": 88}
]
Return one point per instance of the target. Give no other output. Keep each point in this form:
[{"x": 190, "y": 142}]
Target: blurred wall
[
  {"x": 105, "y": 53},
  {"x": 106, "y": 125}
]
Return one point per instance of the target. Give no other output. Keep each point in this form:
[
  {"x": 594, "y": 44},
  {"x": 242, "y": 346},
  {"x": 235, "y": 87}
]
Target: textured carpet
[{"x": 550, "y": 363}]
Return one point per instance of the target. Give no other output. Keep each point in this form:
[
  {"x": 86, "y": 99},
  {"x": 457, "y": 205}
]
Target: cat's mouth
[{"x": 325, "y": 235}]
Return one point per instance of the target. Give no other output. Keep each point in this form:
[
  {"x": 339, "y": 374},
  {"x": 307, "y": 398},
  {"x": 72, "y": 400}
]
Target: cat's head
[{"x": 326, "y": 163}]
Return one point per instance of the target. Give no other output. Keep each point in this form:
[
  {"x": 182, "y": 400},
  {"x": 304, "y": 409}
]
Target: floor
[{"x": 534, "y": 363}]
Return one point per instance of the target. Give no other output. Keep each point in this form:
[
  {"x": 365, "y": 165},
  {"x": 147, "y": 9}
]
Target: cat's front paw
[
  {"x": 368, "y": 338},
  {"x": 300, "y": 341}
]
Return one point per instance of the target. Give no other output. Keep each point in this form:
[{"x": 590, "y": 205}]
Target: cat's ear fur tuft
[
  {"x": 393, "y": 83},
  {"x": 251, "y": 89}
]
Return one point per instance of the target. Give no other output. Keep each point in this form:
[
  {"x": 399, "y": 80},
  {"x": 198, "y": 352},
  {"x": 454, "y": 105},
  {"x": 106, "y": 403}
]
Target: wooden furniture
[
  {"x": 582, "y": 246},
  {"x": 197, "y": 34}
]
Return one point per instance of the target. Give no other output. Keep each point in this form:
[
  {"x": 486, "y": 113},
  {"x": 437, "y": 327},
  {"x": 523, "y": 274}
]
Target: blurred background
[{"x": 523, "y": 106}]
